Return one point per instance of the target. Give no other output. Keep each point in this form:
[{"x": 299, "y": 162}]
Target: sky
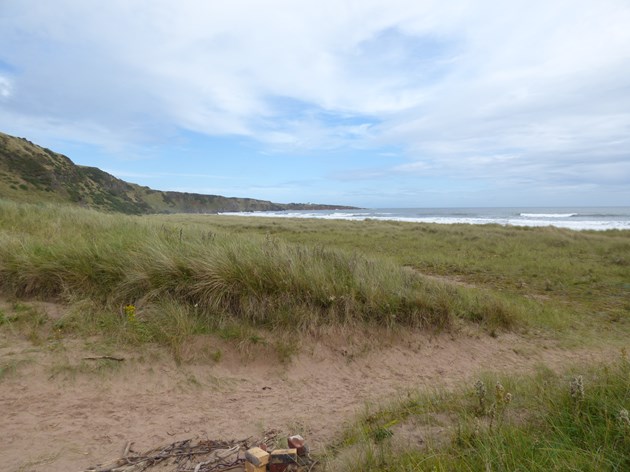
[{"x": 380, "y": 104}]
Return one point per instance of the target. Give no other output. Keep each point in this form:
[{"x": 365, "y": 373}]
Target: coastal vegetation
[
  {"x": 573, "y": 420},
  {"x": 218, "y": 277},
  {"x": 168, "y": 281},
  {"x": 216, "y": 272},
  {"x": 154, "y": 281},
  {"x": 570, "y": 282}
]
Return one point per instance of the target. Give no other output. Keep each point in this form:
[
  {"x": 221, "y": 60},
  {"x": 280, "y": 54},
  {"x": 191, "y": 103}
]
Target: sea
[{"x": 574, "y": 218}]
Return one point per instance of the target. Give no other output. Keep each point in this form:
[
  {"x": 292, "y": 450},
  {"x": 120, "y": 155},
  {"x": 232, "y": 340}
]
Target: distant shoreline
[{"x": 574, "y": 218}]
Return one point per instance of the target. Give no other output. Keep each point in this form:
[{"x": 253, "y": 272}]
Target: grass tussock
[
  {"x": 208, "y": 277},
  {"x": 577, "y": 420}
]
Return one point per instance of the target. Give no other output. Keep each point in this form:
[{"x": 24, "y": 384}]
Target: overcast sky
[{"x": 397, "y": 103}]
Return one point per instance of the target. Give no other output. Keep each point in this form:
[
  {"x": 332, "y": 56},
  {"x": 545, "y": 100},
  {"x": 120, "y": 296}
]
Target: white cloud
[
  {"x": 477, "y": 88},
  {"x": 5, "y": 87}
]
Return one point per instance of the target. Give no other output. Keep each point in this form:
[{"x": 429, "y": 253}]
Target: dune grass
[
  {"x": 578, "y": 281},
  {"x": 166, "y": 279},
  {"x": 197, "y": 274},
  {"x": 205, "y": 277},
  {"x": 576, "y": 420}
]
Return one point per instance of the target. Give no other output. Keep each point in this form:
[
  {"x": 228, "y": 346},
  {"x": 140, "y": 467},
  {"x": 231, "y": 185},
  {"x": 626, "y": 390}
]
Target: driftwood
[{"x": 187, "y": 456}]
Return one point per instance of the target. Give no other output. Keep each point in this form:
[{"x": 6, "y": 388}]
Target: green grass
[
  {"x": 192, "y": 274},
  {"x": 579, "y": 280},
  {"x": 112, "y": 260},
  {"x": 547, "y": 425}
]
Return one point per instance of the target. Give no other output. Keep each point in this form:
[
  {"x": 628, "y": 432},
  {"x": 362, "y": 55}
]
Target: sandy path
[{"x": 54, "y": 418}]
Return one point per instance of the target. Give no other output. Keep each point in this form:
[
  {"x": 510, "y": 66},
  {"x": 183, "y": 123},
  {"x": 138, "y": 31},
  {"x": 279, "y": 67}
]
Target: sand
[{"x": 60, "y": 412}]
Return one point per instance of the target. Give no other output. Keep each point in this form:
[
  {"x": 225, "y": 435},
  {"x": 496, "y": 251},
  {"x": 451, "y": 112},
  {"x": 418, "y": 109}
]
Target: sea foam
[{"x": 588, "y": 219}]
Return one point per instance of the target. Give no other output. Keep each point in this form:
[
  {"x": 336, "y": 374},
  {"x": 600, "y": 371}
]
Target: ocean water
[{"x": 575, "y": 218}]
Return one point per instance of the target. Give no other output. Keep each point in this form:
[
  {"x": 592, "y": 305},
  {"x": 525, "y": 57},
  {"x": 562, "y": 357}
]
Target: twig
[
  {"x": 221, "y": 456},
  {"x": 126, "y": 449},
  {"x": 111, "y": 358}
]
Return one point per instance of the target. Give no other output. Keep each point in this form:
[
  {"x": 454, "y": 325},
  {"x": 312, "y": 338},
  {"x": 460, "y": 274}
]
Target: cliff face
[{"x": 30, "y": 173}]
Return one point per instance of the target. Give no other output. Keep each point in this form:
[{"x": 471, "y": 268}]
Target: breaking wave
[{"x": 548, "y": 215}]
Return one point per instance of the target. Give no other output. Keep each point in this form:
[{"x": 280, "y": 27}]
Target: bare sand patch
[{"x": 61, "y": 412}]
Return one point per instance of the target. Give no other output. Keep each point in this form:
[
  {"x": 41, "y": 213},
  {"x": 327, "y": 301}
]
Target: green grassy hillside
[{"x": 30, "y": 173}]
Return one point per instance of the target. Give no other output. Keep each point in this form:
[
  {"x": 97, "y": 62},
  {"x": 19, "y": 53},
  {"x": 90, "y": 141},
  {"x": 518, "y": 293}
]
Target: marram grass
[
  {"x": 576, "y": 277},
  {"x": 115, "y": 261}
]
